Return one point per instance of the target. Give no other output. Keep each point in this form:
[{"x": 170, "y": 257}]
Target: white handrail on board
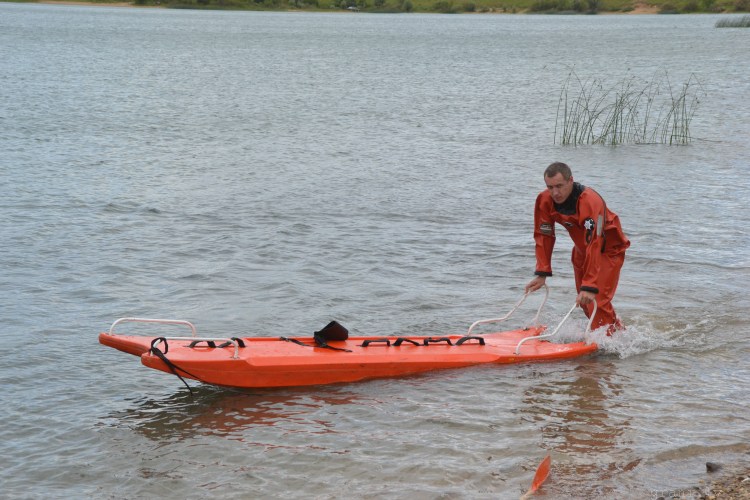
[
  {"x": 548, "y": 335},
  {"x": 182, "y": 323},
  {"x": 152, "y": 320},
  {"x": 498, "y": 320}
]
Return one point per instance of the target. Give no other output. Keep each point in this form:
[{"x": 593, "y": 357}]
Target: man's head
[{"x": 559, "y": 180}]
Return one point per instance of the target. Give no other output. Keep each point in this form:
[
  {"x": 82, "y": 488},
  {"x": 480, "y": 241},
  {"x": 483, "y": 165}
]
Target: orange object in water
[
  {"x": 539, "y": 477},
  {"x": 280, "y": 362},
  {"x": 541, "y": 473}
]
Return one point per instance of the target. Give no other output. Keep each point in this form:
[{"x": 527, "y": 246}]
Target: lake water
[{"x": 264, "y": 173}]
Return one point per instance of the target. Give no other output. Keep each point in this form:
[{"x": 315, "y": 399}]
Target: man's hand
[
  {"x": 536, "y": 284},
  {"x": 585, "y": 298}
]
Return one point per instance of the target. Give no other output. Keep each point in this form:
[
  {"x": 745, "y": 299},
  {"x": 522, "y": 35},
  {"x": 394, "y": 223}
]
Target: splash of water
[{"x": 636, "y": 338}]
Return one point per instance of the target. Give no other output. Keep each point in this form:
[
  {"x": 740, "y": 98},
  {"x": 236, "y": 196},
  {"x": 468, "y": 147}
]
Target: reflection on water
[
  {"x": 580, "y": 425},
  {"x": 230, "y": 413}
]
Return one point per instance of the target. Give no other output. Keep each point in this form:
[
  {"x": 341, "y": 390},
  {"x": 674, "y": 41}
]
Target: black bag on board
[{"x": 332, "y": 331}]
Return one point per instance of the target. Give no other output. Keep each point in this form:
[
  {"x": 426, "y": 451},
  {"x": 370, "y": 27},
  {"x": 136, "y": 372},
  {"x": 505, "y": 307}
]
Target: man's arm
[{"x": 544, "y": 242}]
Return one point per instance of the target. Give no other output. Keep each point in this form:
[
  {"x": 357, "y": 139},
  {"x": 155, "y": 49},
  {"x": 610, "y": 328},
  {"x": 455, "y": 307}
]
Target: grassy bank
[{"x": 456, "y": 6}]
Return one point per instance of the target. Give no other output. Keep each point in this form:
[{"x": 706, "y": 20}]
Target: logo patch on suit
[
  {"x": 589, "y": 226},
  {"x": 545, "y": 228}
]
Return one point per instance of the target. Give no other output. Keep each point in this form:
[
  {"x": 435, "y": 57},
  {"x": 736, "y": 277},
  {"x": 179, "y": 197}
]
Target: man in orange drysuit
[{"x": 599, "y": 243}]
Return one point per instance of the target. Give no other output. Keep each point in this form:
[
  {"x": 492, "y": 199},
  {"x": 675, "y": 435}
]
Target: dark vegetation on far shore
[
  {"x": 460, "y": 6},
  {"x": 469, "y": 6}
]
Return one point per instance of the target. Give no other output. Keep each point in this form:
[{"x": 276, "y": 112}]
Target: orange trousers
[{"x": 606, "y": 282}]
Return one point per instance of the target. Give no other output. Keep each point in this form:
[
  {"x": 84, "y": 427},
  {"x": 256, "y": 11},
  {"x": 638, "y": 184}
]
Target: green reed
[
  {"x": 630, "y": 112},
  {"x": 733, "y": 22}
]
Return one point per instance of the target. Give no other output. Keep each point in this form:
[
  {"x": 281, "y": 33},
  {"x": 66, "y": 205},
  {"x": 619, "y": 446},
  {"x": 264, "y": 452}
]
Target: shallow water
[{"x": 264, "y": 173}]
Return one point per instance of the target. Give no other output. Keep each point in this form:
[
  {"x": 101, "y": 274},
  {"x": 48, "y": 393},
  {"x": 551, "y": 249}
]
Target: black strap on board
[
  {"x": 240, "y": 342},
  {"x": 430, "y": 340},
  {"x": 319, "y": 342},
  {"x": 463, "y": 340},
  {"x": 375, "y": 341},
  {"x": 212, "y": 344},
  {"x": 172, "y": 367},
  {"x": 295, "y": 341},
  {"x": 209, "y": 343},
  {"x": 401, "y": 340}
]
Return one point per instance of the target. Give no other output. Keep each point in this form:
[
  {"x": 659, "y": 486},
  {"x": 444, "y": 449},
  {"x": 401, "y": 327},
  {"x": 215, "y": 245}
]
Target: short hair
[{"x": 558, "y": 168}]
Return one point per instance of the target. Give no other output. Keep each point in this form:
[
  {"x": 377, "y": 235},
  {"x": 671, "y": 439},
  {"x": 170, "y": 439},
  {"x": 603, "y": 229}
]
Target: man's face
[{"x": 559, "y": 188}]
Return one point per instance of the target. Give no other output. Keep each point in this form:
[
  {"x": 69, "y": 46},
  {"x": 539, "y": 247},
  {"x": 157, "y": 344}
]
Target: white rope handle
[
  {"x": 559, "y": 325},
  {"x": 518, "y": 304}
]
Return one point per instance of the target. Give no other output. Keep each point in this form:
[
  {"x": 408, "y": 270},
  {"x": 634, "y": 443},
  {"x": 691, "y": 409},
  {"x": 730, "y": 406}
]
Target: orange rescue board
[{"x": 274, "y": 362}]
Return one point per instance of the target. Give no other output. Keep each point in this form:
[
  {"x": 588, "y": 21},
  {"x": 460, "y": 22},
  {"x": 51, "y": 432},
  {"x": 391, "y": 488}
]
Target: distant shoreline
[
  {"x": 543, "y": 7},
  {"x": 615, "y": 7},
  {"x": 638, "y": 8},
  {"x": 96, "y": 4}
]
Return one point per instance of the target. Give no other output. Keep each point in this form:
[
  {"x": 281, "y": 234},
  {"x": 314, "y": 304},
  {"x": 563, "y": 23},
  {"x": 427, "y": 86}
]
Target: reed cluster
[
  {"x": 629, "y": 112},
  {"x": 734, "y": 22}
]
